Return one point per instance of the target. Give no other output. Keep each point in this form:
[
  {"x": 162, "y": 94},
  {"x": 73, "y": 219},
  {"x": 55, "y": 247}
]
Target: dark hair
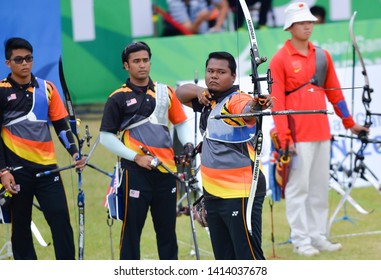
[
  {"x": 318, "y": 11},
  {"x": 223, "y": 55},
  {"x": 135, "y": 47},
  {"x": 14, "y": 44}
]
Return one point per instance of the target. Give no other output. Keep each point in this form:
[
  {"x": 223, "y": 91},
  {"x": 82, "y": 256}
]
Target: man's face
[
  {"x": 302, "y": 30},
  {"x": 138, "y": 66},
  {"x": 218, "y": 76},
  {"x": 20, "y": 67}
]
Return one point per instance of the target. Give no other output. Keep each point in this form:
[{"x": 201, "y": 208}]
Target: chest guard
[
  {"x": 219, "y": 130},
  {"x": 39, "y": 110},
  {"x": 160, "y": 113}
]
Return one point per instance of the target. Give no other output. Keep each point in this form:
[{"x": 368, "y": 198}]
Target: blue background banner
[{"x": 40, "y": 23}]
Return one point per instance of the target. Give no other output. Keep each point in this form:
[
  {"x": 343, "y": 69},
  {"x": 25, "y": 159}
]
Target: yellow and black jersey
[
  {"x": 124, "y": 112},
  {"x": 24, "y": 114}
]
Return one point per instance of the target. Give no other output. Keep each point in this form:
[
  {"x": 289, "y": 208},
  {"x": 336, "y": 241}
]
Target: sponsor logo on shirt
[{"x": 297, "y": 65}]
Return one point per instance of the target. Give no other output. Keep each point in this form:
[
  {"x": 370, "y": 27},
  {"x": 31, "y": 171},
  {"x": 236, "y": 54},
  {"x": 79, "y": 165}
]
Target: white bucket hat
[{"x": 297, "y": 12}]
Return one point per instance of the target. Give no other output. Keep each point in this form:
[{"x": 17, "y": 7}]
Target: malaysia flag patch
[
  {"x": 12, "y": 97},
  {"x": 131, "y": 101},
  {"x": 134, "y": 193}
]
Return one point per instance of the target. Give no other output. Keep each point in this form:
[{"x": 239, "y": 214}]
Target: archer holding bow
[
  {"x": 227, "y": 159},
  {"x": 27, "y": 103},
  {"x": 140, "y": 110},
  {"x": 301, "y": 72}
]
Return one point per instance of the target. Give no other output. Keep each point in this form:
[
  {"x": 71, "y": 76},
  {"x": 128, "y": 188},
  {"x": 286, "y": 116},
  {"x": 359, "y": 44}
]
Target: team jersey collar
[
  {"x": 221, "y": 96},
  {"x": 33, "y": 82},
  {"x": 137, "y": 89},
  {"x": 293, "y": 51}
]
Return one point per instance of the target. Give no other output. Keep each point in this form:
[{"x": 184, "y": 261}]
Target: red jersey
[{"x": 290, "y": 69}]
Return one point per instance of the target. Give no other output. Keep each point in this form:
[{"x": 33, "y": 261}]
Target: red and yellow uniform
[
  {"x": 226, "y": 163},
  {"x": 289, "y": 70},
  {"x": 142, "y": 115},
  {"x": 133, "y": 109},
  {"x": 25, "y": 114}
]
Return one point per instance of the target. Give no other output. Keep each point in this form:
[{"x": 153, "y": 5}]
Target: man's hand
[
  {"x": 357, "y": 129},
  {"x": 145, "y": 161},
  {"x": 8, "y": 181},
  {"x": 265, "y": 101},
  {"x": 204, "y": 97},
  {"x": 188, "y": 149},
  {"x": 79, "y": 163}
]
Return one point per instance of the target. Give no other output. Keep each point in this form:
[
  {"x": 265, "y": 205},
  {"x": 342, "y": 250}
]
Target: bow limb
[
  {"x": 367, "y": 90},
  {"x": 74, "y": 129},
  {"x": 70, "y": 108},
  {"x": 255, "y": 61},
  {"x": 69, "y": 104},
  {"x": 357, "y": 49}
]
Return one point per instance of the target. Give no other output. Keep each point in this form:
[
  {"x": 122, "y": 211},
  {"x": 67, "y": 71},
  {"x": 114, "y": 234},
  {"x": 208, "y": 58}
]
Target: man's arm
[
  {"x": 178, "y": 11},
  {"x": 66, "y": 137},
  {"x": 223, "y": 9},
  {"x": 186, "y": 93},
  {"x": 114, "y": 145},
  {"x": 2, "y": 153}
]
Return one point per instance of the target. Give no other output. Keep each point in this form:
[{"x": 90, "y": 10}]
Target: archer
[
  {"x": 27, "y": 104},
  {"x": 297, "y": 87},
  {"x": 226, "y": 159}
]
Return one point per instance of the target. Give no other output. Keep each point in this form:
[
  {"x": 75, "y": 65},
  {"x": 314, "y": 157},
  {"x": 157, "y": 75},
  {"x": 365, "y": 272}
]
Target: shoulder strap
[
  {"x": 160, "y": 113},
  {"x": 318, "y": 78},
  {"x": 321, "y": 67}
]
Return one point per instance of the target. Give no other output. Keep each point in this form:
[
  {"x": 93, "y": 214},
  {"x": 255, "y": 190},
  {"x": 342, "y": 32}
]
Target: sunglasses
[{"x": 20, "y": 59}]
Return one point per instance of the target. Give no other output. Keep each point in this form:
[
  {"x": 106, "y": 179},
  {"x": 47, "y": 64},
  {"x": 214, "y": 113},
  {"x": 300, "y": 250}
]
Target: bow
[
  {"x": 366, "y": 97},
  {"x": 74, "y": 129},
  {"x": 367, "y": 90},
  {"x": 256, "y": 60},
  {"x": 359, "y": 165}
]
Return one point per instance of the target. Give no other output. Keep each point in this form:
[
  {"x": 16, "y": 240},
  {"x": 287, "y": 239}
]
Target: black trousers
[
  {"x": 145, "y": 190},
  {"x": 51, "y": 197},
  {"x": 228, "y": 231}
]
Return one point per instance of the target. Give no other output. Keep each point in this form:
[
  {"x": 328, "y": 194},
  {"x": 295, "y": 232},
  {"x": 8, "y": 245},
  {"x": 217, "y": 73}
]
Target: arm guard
[
  {"x": 184, "y": 133},
  {"x": 65, "y": 136},
  {"x": 114, "y": 145}
]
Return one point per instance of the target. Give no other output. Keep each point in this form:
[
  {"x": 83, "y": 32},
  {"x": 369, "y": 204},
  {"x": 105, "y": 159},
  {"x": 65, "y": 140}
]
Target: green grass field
[{"x": 359, "y": 234}]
